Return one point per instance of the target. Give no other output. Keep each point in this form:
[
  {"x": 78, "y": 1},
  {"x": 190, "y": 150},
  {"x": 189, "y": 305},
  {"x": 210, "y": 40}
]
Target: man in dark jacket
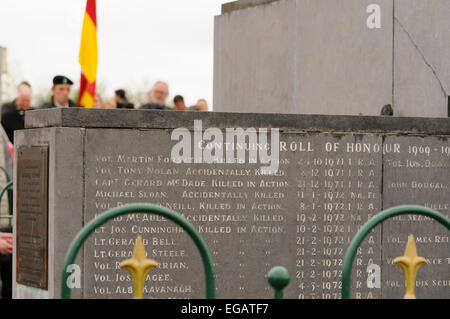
[
  {"x": 13, "y": 113},
  {"x": 121, "y": 100},
  {"x": 157, "y": 97},
  {"x": 61, "y": 91}
]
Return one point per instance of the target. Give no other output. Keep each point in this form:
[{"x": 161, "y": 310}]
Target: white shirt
[{"x": 59, "y": 105}]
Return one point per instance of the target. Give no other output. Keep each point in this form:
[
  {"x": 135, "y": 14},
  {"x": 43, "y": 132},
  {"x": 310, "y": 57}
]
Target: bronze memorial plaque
[{"x": 32, "y": 216}]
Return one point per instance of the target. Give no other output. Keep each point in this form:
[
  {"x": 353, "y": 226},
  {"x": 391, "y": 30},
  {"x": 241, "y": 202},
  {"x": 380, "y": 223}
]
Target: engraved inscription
[
  {"x": 302, "y": 217},
  {"x": 420, "y": 175}
]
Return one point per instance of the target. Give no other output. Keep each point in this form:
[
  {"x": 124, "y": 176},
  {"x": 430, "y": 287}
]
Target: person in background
[
  {"x": 98, "y": 102},
  {"x": 178, "y": 103},
  {"x": 6, "y": 246},
  {"x": 12, "y": 119},
  {"x": 13, "y": 113},
  {"x": 201, "y": 105},
  {"x": 61, "y": 92},
  {"x": 157, "y": 97},
  {"x": 5, "y": 243},
  {"x": 109, "y": 104},
  {"x": 121, "y": 100}
]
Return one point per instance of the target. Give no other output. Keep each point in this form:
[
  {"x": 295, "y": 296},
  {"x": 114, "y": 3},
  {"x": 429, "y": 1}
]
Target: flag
[{"x": 88, "y": 56}]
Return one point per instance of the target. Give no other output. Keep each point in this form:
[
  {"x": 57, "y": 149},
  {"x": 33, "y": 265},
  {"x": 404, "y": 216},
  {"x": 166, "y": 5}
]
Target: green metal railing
[
  {"x": 6, "y": 173},
  {"x": 10, "y": 195},
  {"x": 7, "y": 188},
  {"x": 142, "y": 209},
  {"x": 278, "y": 278},
  {"x": 372, "y": 223}
]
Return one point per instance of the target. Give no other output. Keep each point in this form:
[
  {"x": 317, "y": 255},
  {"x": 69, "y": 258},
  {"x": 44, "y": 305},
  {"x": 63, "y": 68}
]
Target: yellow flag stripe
[
  {"x": 87, "y": 100},
  {"x": 88, "y": 49}
]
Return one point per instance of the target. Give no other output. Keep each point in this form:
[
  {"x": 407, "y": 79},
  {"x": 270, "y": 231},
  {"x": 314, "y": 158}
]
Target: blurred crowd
[
  {"x": 12, "y": 113},
  {"x": 13, "y": 116},
  {"x": 157, "y": 100}
]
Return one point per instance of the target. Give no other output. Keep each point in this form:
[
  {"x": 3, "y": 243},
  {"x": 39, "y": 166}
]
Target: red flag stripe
[
  {"x": 92, "y": 10},
  {"x": 90, "y": 87},
  {"x": 86, "y": 86},
  {"x": 83, "y": 83}
]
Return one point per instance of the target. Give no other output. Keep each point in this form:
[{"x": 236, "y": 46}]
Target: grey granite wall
[
  {"x": 319, "y": 57},
  {"x": 65, "y": 206},
  {"x": 335, "y": 172}
]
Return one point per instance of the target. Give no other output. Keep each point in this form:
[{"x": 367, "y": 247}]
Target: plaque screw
[{"x": 278, "y": 278}]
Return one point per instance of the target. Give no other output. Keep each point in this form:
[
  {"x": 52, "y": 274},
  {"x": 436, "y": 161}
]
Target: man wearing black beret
[{"x": 61, "y": 91}]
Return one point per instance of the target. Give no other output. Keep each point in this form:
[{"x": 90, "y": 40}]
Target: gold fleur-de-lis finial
[
  {"x": 410, "y": 264},
  {"x": 139, "y": 266}
]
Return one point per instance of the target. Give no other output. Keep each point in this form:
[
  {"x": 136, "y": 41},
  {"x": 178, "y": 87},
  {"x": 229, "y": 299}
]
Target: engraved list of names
[{"x": 302, "y": 217}]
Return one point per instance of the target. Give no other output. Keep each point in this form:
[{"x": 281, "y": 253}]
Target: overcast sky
[{"x": 139, "y": 42}]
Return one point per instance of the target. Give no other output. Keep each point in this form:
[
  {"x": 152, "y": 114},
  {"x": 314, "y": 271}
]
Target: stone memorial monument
[
  {"x": 348, "y": 57},
  {"x": 328, "y": 175}
]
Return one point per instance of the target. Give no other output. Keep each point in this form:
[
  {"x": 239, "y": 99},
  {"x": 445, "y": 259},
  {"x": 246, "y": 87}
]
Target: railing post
[{"x": 278, "y": 278}]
